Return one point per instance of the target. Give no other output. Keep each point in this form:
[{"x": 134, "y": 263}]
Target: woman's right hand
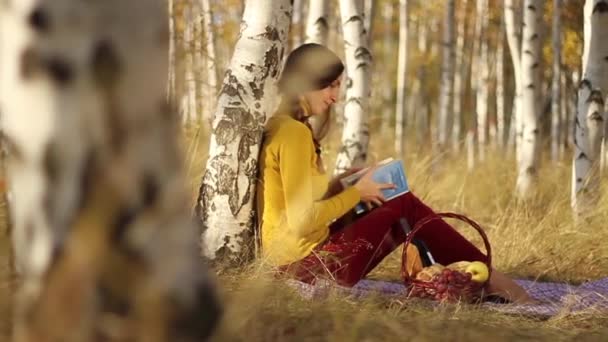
[{"x": 370, "y": 190}]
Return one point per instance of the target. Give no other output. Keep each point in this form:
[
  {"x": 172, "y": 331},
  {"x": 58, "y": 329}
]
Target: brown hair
[{"x": 308, "y": 67}]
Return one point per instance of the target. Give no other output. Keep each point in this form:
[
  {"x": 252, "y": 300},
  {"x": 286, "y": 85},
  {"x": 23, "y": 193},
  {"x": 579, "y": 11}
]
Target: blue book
[{"x": 389, "y": 171}]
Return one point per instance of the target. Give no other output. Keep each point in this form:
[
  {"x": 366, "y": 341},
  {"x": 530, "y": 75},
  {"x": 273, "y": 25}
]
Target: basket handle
[{"x": 420, "y": 224}]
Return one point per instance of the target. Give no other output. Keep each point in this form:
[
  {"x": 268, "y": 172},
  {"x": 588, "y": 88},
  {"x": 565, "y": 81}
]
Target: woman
[{"x": 298, "y": 203}]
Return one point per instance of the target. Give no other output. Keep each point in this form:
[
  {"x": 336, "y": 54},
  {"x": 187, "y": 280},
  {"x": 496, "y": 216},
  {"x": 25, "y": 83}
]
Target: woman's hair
[{"x": 309, "y": 67}]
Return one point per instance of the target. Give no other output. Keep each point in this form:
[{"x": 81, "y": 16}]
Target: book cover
[{"x": 390, "y": 171}]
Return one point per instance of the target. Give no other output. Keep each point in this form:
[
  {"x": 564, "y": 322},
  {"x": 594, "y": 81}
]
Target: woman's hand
[
  {"x": 370, "y": 190},
  {"x": 335, "y": 187}
]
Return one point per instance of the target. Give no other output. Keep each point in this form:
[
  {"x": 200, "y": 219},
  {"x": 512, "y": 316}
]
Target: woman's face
[{"x": 321, "y": 100}]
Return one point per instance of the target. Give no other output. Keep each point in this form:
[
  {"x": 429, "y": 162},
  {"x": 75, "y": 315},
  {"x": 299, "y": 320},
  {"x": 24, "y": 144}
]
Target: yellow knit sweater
[{"x": 295, "y": 217}]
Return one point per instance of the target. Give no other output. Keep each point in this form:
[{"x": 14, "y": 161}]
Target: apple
[{"x": 479, "y": 271}]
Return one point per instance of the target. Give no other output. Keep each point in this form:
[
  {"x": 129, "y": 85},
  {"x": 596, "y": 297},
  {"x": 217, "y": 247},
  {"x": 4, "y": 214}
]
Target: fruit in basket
[
  {"x": 427, "y": 273},
  {"x": 460, "y": 266},
  {"x": 479, "y": 271}
]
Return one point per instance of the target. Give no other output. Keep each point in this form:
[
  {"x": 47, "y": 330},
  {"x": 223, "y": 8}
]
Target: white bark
[
  {"x": 388, "y": 48},
  {"x": 96, "y": 174},
  {"x": 400, "y": 111},
  {"x": 317, "y": 25},
  {"x": 460, "y": 68},
  {"x": 482, "y": 72},
  {"x": 513, "y": 27},
  {"x": 447, "y": 75},
  {"x": 296, "y": 24},
  {"x": 189, "y": 97},
  {"x": 531, "y": 55},
  {"x": 565, "y": 97},
  {"x": 228, "y": 185},
  {"x": 370, "y": 12},
  {"x": 355, "y": 136},
  {"x": 500, "y": 87},
  {"x": 171, "y": 67},
  {"x": 210, "y": 91},
  {"x": 556, "y": 80},
  {"x": 590, "y": 117},
  {"x": 317, "y": 29}
]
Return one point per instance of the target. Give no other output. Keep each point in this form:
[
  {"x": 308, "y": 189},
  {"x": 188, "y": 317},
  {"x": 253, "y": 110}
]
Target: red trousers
[{"x": 352, "y": 251}]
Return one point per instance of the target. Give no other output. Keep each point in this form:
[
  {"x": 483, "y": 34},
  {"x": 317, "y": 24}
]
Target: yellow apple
[{"x": 479, "y": 271}]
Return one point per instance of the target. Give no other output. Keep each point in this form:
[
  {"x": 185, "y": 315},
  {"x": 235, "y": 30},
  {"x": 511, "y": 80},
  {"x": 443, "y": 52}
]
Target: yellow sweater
[{"x": 295, "y": 218}]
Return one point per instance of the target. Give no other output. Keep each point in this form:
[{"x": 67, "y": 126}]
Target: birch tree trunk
[
  {"x": 590, "y": 116},
  {"x": 228, "y": 184},
  {"x": 106, "y": 220},
  {"x": 512, "y": 26},
  {"x": 400, "y": 111},
  {"x": 317, "y": 25},
  {"x": 189, "y": 98},
  {"x": 459, "y": 77},
  {"x": 531, "y": 48},
  {"x": 500, "y": 87},
  {"x": 210, "y": 88},
  {"x": 370, "y": 12},
  {"x": 556, "y": 80},
  {"x": 171, "y": 67},
  {"x": 482, "y": 75},
  {"x": 388, "y": 112},
  {"x": 296, "y": 24},
  {"x": 355, "y": 137},
  {"x": 317, "y": 28},
  {"x": 447, "y": 75}
]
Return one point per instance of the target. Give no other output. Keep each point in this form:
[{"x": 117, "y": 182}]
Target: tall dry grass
[{"x": 536, "y": 239}]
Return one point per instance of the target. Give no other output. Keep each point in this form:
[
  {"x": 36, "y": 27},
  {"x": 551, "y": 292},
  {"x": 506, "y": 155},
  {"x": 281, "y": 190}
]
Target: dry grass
[{"x": 536, "y": 240}]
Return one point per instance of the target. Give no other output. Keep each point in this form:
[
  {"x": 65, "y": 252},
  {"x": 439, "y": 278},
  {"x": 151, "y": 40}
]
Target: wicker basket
[{"x": 450, "y": 285}]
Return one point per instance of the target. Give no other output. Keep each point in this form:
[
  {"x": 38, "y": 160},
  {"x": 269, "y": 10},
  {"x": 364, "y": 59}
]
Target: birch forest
[{"x": 131, "y": 132}]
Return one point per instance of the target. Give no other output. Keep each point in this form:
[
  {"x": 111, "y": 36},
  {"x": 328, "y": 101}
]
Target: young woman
[{"x": 300, "y": 207}]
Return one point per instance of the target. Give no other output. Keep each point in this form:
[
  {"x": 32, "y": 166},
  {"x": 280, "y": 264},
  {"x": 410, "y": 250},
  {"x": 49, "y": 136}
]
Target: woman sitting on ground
[{"x": 298, "y": 203}]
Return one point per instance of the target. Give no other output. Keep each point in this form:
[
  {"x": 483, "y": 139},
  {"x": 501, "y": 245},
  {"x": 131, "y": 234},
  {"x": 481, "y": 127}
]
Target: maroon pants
[{"x": 352, "y": 251}]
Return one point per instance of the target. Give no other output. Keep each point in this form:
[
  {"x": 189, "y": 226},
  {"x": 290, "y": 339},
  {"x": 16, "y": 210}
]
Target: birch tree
[
  {"x": 228, "y": 184},
  {"x": 556, "y": 80},
  {"x": 459, "y": 77},
  {"x": 531, "y": 54},
  {"x": 296, "y": 24},
  {"x": 447, "y": 74},
  {"x": 355, "y": 136},
  {"x": 103, "y": 223},
  {"x": 317, "y": 29},
  {"x": 317, "y": 24},
  {"x": 210, "y": 86},
  {"x": 400, "y": 111},
  {"x": 188, "y": 107},
  {"x": 481, "y": 76},
  {"x": 500, "y": 86},
  {"x": 590, "y": 115},
  {"x": 513, "y": 27}
]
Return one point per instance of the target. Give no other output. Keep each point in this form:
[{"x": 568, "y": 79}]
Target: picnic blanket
[{"x": 557, "y": 298}]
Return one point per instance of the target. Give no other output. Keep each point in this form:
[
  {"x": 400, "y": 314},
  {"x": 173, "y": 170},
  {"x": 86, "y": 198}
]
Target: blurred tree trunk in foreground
[
  {"x": 225, "y": 202},
  {"x": 590, "y": 115},
  {"x": 102, "y": 228}
]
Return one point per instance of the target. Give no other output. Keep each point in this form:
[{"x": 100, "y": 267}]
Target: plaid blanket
[{"x": 557, "y": 298}]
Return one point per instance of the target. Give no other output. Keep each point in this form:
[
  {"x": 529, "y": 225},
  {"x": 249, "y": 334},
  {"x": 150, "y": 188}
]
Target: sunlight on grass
[{"x": 533, "y": 240}]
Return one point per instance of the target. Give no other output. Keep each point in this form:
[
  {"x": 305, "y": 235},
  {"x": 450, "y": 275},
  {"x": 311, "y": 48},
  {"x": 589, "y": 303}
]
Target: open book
[{"x": 390, "y": 171}]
